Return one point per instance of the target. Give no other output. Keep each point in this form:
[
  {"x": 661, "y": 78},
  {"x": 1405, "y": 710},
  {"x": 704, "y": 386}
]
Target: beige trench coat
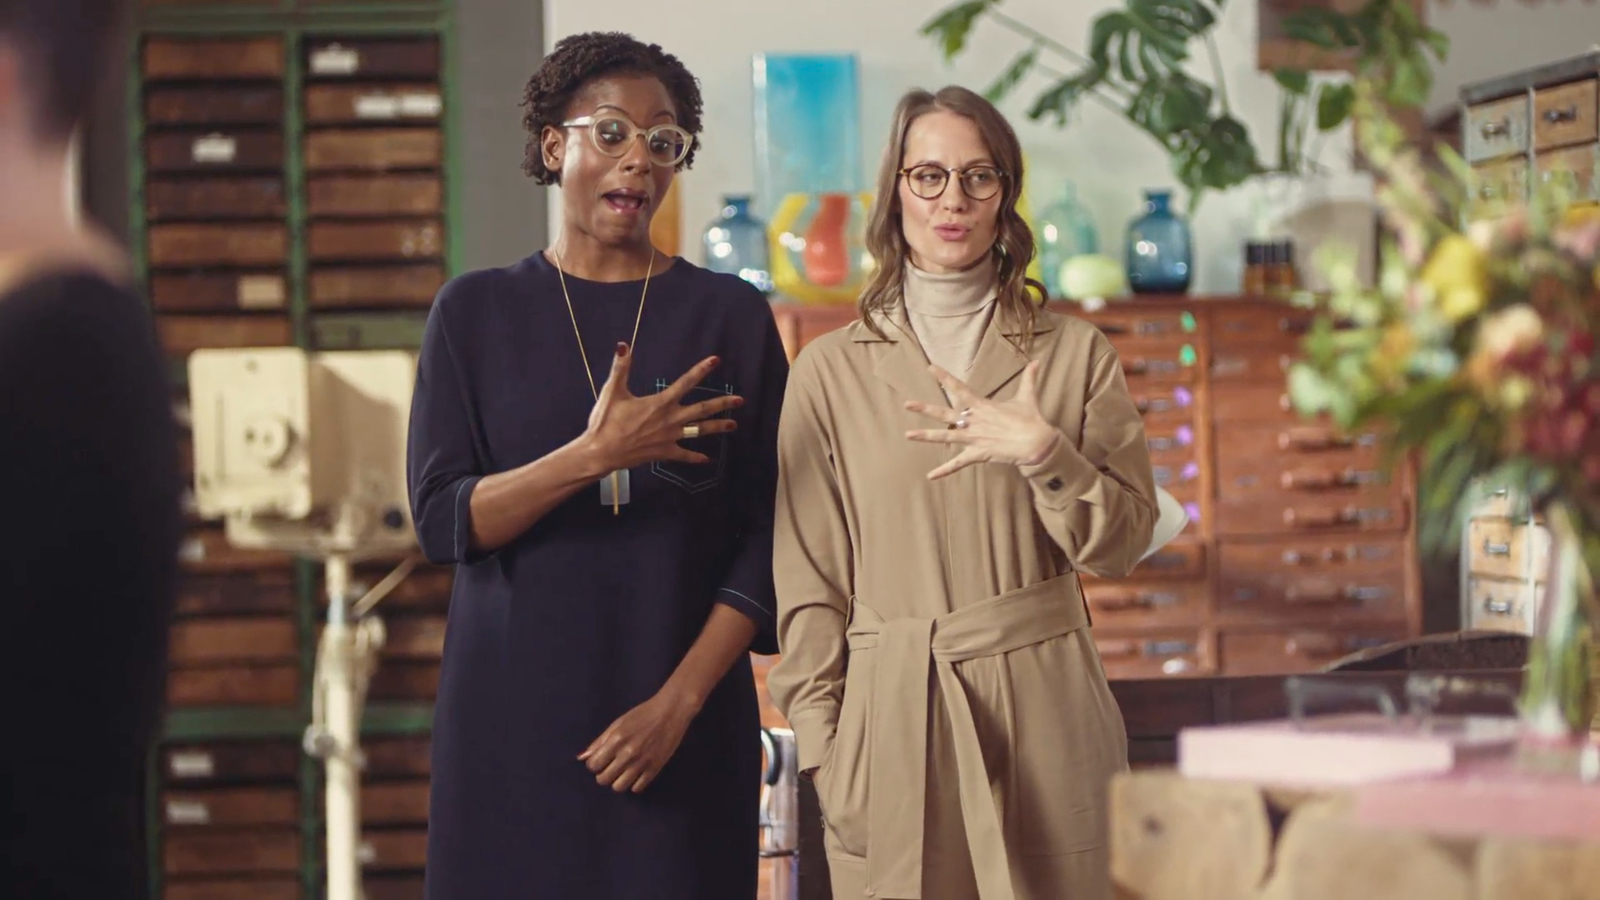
[{"x": 937, "y": 667}]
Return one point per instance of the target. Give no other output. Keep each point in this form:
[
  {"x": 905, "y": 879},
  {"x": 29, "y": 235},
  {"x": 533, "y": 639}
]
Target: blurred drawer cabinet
[
  {"x": 1300, "y": 546},
  {"x": 1505, "y": 559}
]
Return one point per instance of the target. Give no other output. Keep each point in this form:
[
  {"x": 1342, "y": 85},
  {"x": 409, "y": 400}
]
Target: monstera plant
[{"x": 1139, "y": 60}]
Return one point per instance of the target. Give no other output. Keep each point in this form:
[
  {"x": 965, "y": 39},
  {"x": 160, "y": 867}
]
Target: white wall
[
  {"x": 1490, "y": 38},
  {"x": 1110, "y": 161}
]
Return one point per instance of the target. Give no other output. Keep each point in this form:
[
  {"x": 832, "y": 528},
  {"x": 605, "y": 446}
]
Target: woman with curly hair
[{"x": 593, "y": 444}]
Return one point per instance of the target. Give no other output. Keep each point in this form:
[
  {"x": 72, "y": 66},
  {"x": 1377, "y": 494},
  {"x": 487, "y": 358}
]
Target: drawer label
[
  {"x": 261, "y": 292},
  {"x": 422, "y": 105},
  {"x": 377, "y": 106},
  {"x": 214, "y": 149},
  {"x": 335, "y": 59},
  {"x": 191, "y": 764},
  {"x": 187, "y": 812}
]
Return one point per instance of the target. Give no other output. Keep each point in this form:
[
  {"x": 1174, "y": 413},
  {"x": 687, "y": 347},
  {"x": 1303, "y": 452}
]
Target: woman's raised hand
[
  {"x": 627, "y": 430},
  {"x": 1012, "y": 432}
]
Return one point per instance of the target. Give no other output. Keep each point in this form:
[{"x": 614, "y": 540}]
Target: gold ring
[{"x": 690, "y": 432}]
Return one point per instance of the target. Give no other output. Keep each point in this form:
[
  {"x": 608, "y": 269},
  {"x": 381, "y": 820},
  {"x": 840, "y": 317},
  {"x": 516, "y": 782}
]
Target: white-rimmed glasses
[
  {"x": 928, "y": 181},
  {"x": 613, "y": 135}
]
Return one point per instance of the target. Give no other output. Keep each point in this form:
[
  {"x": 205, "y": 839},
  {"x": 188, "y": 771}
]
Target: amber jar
[{"x": 1255, "y": 269}]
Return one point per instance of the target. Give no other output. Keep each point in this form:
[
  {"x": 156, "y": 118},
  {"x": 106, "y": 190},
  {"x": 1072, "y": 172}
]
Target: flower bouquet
[{"x": 1477, "y": 350}]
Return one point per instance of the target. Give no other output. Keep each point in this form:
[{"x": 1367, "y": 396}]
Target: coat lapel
[
  {"x": 999, "y": 360},
  {"x": 899, "y": 360}
]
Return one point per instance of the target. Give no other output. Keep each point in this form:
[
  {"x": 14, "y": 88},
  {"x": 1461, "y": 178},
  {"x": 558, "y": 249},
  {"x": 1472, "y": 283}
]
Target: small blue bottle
[
  {"x": 736, "y": 243},
  {"x": 1160, "y": 251}
]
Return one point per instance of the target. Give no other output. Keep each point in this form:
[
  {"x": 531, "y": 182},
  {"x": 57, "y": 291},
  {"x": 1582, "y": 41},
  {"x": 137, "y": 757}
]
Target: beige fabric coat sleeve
[
  {"x": 1097, "y": 499},
  {"x": 815, "y": 573}
]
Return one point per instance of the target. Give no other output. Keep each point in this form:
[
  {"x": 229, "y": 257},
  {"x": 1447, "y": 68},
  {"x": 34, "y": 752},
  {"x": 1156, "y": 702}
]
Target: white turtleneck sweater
[{"x": 949, "y": 313}]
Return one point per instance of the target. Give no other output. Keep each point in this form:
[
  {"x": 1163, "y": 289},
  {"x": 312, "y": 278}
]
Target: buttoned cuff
[
  {"x": 813, "y": 735},
  {"x": 1062, "y": 477}
]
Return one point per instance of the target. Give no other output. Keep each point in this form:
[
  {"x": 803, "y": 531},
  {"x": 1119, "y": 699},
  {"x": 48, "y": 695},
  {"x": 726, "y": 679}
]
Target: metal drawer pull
[
  {"x": 1569, "y": 114},
  {"x": 1493, "y": 549},
  {"x": 1497, "y": 607},
  {"x": 1493, "y": 129}
]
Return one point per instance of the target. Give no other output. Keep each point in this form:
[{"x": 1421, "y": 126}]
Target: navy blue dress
[{"x": 554, "y": 636}]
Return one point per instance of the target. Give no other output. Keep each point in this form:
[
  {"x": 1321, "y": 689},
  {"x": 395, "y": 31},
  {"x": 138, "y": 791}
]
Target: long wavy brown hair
[{"x": 886, "y": 240}]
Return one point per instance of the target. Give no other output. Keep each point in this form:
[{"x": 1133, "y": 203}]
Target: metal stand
[{"x": 780, "y": 812}]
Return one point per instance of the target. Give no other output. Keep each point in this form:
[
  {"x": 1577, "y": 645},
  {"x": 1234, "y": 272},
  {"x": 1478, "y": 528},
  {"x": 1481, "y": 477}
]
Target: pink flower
[{"x": 1582, "y": 242}]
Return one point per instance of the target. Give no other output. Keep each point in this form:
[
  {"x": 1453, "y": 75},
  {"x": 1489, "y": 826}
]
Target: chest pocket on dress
[{"x": 696, "y": 477}]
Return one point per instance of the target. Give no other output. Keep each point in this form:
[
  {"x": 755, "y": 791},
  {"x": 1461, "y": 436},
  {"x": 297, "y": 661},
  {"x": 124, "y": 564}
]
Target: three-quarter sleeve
[
  {"x": 442, "y": 465},
  {"x": 748, "y": 586},
  {"x": 812, "y": 562},
  {"x": 1097, "y": 499}
]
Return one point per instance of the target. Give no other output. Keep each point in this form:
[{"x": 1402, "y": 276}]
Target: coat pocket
[
  {"x": 841, "y": 780},
  {"x": 694, "y": 478}
]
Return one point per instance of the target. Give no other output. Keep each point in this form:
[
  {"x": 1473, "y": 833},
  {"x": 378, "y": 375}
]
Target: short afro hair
[
  {"x": 67, "y": 48},
  {"x": 578, "y": 60}
]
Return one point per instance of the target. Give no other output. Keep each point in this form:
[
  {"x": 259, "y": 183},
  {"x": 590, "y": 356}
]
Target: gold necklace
[{"x": 614, "y": 488}]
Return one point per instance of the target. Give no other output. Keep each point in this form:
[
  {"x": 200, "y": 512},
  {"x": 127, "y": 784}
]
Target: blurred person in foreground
[{"x": 90, "y": 483}]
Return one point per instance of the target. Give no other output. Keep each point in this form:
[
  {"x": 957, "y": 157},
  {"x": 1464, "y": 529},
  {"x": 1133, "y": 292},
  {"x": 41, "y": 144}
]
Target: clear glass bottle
[
  {"x": 736, "y": 243},
  {"x": 1063, "y": 230}
]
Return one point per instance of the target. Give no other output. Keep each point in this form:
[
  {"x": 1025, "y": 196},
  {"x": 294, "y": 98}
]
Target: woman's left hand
[
  {"x": 629, "y": 754},
  {"x": 1012, "y": 432}
]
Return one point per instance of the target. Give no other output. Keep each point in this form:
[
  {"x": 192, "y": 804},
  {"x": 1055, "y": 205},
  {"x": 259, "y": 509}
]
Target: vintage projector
[{"x": 303, "y": 451}]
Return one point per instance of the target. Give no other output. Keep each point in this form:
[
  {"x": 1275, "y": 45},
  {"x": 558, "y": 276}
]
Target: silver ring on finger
[
  {"x": 691, "y": 431},
  {"x": 962, "y": 418}
]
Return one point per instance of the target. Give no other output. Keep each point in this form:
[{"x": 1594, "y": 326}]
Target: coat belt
[{"x": 897, "y": 759}]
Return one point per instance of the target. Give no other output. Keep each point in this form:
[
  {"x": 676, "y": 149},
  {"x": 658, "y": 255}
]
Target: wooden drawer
[
  {"x": 1268, "y": 363},
  {"x": 234, "y": 639},
  {"x": 397, "y": 757},
  {"x": 182, "y": 335},
  {"x": 1173, "y": 325},
  {"x": 414, "y": 637},
  {"x": 231, "y": 762},
  {"x": 1277, "y": 515},
  {"x": 405, "y": 681},
  {"x": 279, "y": 888},
  {"x": 1271, "y": 326},
  {"x": 376, "y": 241},
  {"x": 1266, "y": 401},
  {"x": 199, "y": 292},
  {"x": 1329, "y": 580},
  {"x": 186, "y": 245},
  {"x": 330, "y": 58},
  {"x": 368, "y": 331},
  {"x": 1183, "y": 558},
  {"x": 1497, "y": 129},
  {"x": 258, "y": 850},
  {"x": 393, "y": 887},
  {"x": 206, "y": 550},
  {"x": 1182, "y": 481},
  {"x": 394, "y": 803},
  {"x": 1575, "y": 169},
  {"x": 1153, "y": 653},
  {"x": 214, "y": 198},
  {"x": 1497, "y": 604},
  {"x": 231, "y": 806},
  {"x": 398, "y": 849},
  {"x": 374, "y": 195},
  {"x": 1565, "y": 114},
  {"x": 1148, "y": 362},
  {"x": 211, "y": 105},
  {"x": 256, "y": 150},
  {"x": 1501, "y": 185},
  {"x": 1297, "y": 650},
  {"x": 170, "y": 58},
  {"x": 1501, "y": 503},
  {"x": 1164, "y": 404},
  {"x": 240, "y": 593},
  {"x": 374, "y": 149},
  {"x": 1137, "y": 603},
  {"x": 341, "y": 104},
  {"x": 1500, "y": 548},
  {"x": 376, "y": 286},
  {"x": 270, "y": 685}
]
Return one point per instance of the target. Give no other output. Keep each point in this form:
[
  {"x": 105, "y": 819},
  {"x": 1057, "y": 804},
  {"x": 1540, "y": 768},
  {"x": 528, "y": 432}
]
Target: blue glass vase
[
  {"x": 1160, "y": 250},
  {"x": 1063, "y": 230},
  {"x": 736, "y": 243}
]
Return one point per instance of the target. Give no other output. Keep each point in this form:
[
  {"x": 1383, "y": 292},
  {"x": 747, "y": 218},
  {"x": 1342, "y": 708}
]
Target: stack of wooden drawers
[
  {"x": 394, "y": 817},
  {"x": 1539, "y": 123},
  {"x": 1298, "y": 551},
  {"x": 374, "y": 157},
  {"x": 215, "y": 191},
  {"x": 1505, "y": 556},
  {"x": 414, "y": 615},
  {"x": 230, "y": 814}
]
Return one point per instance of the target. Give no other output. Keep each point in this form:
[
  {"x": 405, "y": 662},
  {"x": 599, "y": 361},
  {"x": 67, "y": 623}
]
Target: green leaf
[
  {"x": 1059, "y": 100},
  {"x": 1334, "y": 102},
  {"x": 953, "y": 24},
  {"x": 1295, "y": 81},
  {"x": 1439, "y": 41},
  {"x": 1412, "y": 82},
  {"x": 1013, "y": 75}
]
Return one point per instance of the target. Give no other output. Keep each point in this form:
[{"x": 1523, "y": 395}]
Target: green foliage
[{"x": 1139, "y": 61}]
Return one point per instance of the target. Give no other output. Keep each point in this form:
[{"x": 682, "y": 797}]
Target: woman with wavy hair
[{"x": 947, "y": 466}]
